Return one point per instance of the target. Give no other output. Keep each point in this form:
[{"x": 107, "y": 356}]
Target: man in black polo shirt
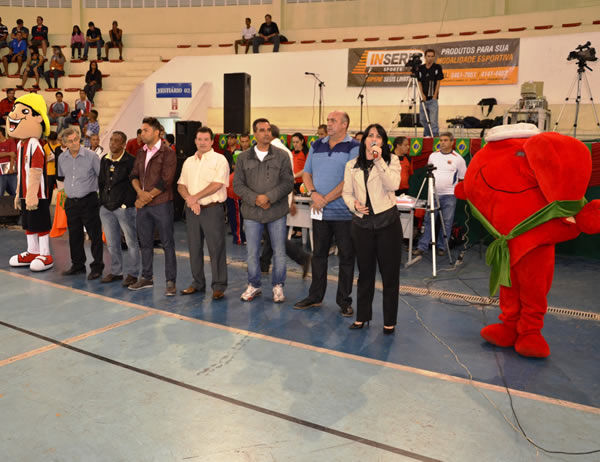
[
  {"x": 268, "y": 32},
  {"x": 429, "y": 77},
  {"x": 93, "y": 38},
  {"x": 39, "y": 35},
  {"x": 117, "y": 210}
]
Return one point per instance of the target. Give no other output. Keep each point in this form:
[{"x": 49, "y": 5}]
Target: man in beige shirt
[{"x": 202, "y": 184}]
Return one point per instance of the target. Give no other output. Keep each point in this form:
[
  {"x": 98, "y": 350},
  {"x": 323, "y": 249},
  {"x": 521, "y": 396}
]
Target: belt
[
  {"x": 212, "y": 204},
  {"x": 77, "y": 199}
]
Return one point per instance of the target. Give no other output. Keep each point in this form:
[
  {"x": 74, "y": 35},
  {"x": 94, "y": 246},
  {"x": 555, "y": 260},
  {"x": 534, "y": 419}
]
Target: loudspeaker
[
  {"x": 8, "y": 213},
  {"x": 236, "y": 103},
  {"x": 185, "y": 134},
  {"x": 407, "y": 119}
]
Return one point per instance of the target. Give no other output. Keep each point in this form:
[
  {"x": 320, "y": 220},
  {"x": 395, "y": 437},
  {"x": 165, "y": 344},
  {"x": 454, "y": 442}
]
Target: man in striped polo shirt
[{"x": 324, "y": 178}]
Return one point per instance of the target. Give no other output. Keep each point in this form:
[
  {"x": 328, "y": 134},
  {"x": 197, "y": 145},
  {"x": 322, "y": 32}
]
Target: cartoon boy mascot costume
[
  {"x": 28, "y": 121},
  {"x": 527, "y": 189}
]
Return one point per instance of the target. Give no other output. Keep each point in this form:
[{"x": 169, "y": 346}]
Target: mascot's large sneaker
[
  {"x": 42, "y": 263},
  {"x": 23, "y": 259},
  {"x": 532, "y": 345},
  {"x": 500, "y": 335}
]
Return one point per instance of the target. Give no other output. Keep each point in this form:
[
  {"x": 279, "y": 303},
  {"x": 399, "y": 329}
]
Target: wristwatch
[{"x": 310, "y": 193}]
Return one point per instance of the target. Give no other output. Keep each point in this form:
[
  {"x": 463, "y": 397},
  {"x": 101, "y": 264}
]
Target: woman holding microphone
[{"x": 370, "y": 181}]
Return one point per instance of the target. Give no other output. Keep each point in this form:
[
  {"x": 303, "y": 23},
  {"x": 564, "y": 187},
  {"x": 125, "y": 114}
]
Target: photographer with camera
[
  {"x": 448, "y": 169},
  {"x": 429, "y": 76}
]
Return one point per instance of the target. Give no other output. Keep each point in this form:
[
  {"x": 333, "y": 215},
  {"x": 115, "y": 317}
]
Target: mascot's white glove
[{"x": 31, "y": 200}]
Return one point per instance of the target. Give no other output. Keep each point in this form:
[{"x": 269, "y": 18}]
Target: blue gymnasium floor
[{"x": 140, "y": 376}]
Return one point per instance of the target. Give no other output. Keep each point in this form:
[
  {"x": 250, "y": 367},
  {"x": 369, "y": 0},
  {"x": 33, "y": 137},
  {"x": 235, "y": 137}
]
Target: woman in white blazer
[{"x": 370, "y": 182}]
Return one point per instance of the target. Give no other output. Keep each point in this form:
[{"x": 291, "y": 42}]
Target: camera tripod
[
  {"x": 413, "y": 94},
  {"x": 433, "y": 205},
  {"x": 581, "y": 76}
]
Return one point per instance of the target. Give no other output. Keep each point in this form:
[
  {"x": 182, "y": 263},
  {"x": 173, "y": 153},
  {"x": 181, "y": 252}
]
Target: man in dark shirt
[
  {"x": 3, "y": 35},
  {"x": 19, "y": 28},
  {"x": 117, "y": 210},
  {"x": 93, "y": 38},
  {"x": 39, "y": 35},
  {"x": 268, "y": 32},
  {"x": 429, "y": 77}
]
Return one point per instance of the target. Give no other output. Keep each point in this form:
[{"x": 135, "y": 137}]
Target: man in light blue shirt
[
  {"x": 79, "y": 168},
  {"x": 324, "y": 178}
]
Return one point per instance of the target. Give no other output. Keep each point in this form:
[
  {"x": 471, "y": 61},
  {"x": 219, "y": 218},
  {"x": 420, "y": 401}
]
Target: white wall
[{"x": 278, "y": 80}]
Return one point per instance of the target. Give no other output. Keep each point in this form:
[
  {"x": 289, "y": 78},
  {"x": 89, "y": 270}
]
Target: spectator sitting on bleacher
[
  {"x": 6, "y": 105},
  {"x": 91, "y": 127},
  {"x": 58, "y": 111},
  {"x": 19, "y": 28},
  {"x": 81, "y": 113},
  {"x": 3, "y": 35},
  {"x": 33, "y": 68},
  {"x": 39, "y": 36},
  {"x": 56, "y": 67},
  {"x": 18, "y": 53},
  {"x": 116, "y": 40},
  {"x": 135, "y": 144},
  {"x": 268, "y": 32},
  {"x": 95, "y": 144},
  {"x": 77, "y": 42},
  {"x": 93, "y": 38},
  {"x": 93, "y": 81},
  {"x": 248, "y": 34}
]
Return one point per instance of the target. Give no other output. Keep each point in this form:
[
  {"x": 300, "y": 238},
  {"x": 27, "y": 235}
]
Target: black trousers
[
  {"x": 323, "y": 233},
  {"x": 383, "y": 248},
  {"x": 157, "y": 217},
  {"x": 85, "y": 212}
]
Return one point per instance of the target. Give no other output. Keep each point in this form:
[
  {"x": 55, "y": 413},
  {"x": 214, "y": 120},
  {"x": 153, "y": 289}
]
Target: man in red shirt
[
  {"x": 135, "y": 144},
  {"x": 8, "y": 161},
  {"x": 6, "y": 105}
]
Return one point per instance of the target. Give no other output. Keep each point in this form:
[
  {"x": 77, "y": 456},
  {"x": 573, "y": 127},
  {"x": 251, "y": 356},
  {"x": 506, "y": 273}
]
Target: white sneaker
[
  {"x": 250, "y": 293},
  {"x": 278, "y": 295}
]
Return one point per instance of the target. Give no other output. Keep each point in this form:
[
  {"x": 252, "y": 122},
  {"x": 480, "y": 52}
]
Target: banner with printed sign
[{"x": 474, "y": 62}]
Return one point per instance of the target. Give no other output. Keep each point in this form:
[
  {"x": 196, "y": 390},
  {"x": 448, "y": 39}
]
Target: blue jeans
[
  {"x": 257, "y": 41},
  {"x": 112, "y": 223},
  {"x": 8, "y": 183},
  {"x": 277, "y": 232},
  {"x": 432, "y": 112},
  {"x": 447, "y": 207},
  {"x": 98, "y": 46}
]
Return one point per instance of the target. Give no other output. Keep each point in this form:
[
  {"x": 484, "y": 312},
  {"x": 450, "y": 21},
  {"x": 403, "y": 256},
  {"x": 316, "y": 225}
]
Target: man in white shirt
[
  {"x": 248, "y": 34},
  {"x": 450, "y": 168},
  {"x": 202, "y": 184}
]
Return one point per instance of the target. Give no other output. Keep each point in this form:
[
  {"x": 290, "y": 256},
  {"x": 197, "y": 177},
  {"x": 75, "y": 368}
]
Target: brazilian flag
[
  {"x": 436, "y": 145},
  {"x": 416, "y": 146},
  {"x": 483, "y": 142},
  {"x": 312, "y": 139},
  {"x": 589, "y": 146},
  {"x": 463, "y": 146},
  {"x": 222, "y": 141},
  {"x": 284, "y": 140}
]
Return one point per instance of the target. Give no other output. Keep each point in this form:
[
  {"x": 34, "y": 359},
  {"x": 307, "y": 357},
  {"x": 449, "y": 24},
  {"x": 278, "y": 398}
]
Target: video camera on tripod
[
  {"x": 583, "y": 54},
  {"x": 413, "y": 64}
]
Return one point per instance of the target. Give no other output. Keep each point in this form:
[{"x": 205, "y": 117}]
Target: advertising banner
[{"x": 474, "y": 62}]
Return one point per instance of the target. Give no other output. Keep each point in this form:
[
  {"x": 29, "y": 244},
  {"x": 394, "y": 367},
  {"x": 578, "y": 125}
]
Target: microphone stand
[
  {"x": 321, "y": 85},
  {"x": 361, "y": 96}
]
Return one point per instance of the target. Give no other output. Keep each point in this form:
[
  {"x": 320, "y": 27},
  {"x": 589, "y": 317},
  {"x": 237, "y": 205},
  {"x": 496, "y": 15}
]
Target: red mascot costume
[
  {"x": 528, "y": 191},
  {"x": 28, "y": 122}
]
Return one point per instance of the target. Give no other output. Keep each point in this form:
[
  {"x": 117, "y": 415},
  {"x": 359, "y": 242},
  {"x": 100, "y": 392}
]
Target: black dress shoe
[
  {"x": 73, "y": 270},
  {"x": 358, "y": 325},
  {"x": 346, "y": 311},
  {"x": 389, "y": 331},
  {"x": 306, "y": 303},
  {"x": 94, "y": 275}
]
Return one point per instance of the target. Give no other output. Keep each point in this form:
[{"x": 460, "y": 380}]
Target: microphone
[
  {"x": 309, "y": 73},
  {"x": 373, "y": 152}
]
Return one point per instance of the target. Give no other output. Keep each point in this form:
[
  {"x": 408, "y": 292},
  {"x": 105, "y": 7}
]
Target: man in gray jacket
[{"x": 263, "y": 179}]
